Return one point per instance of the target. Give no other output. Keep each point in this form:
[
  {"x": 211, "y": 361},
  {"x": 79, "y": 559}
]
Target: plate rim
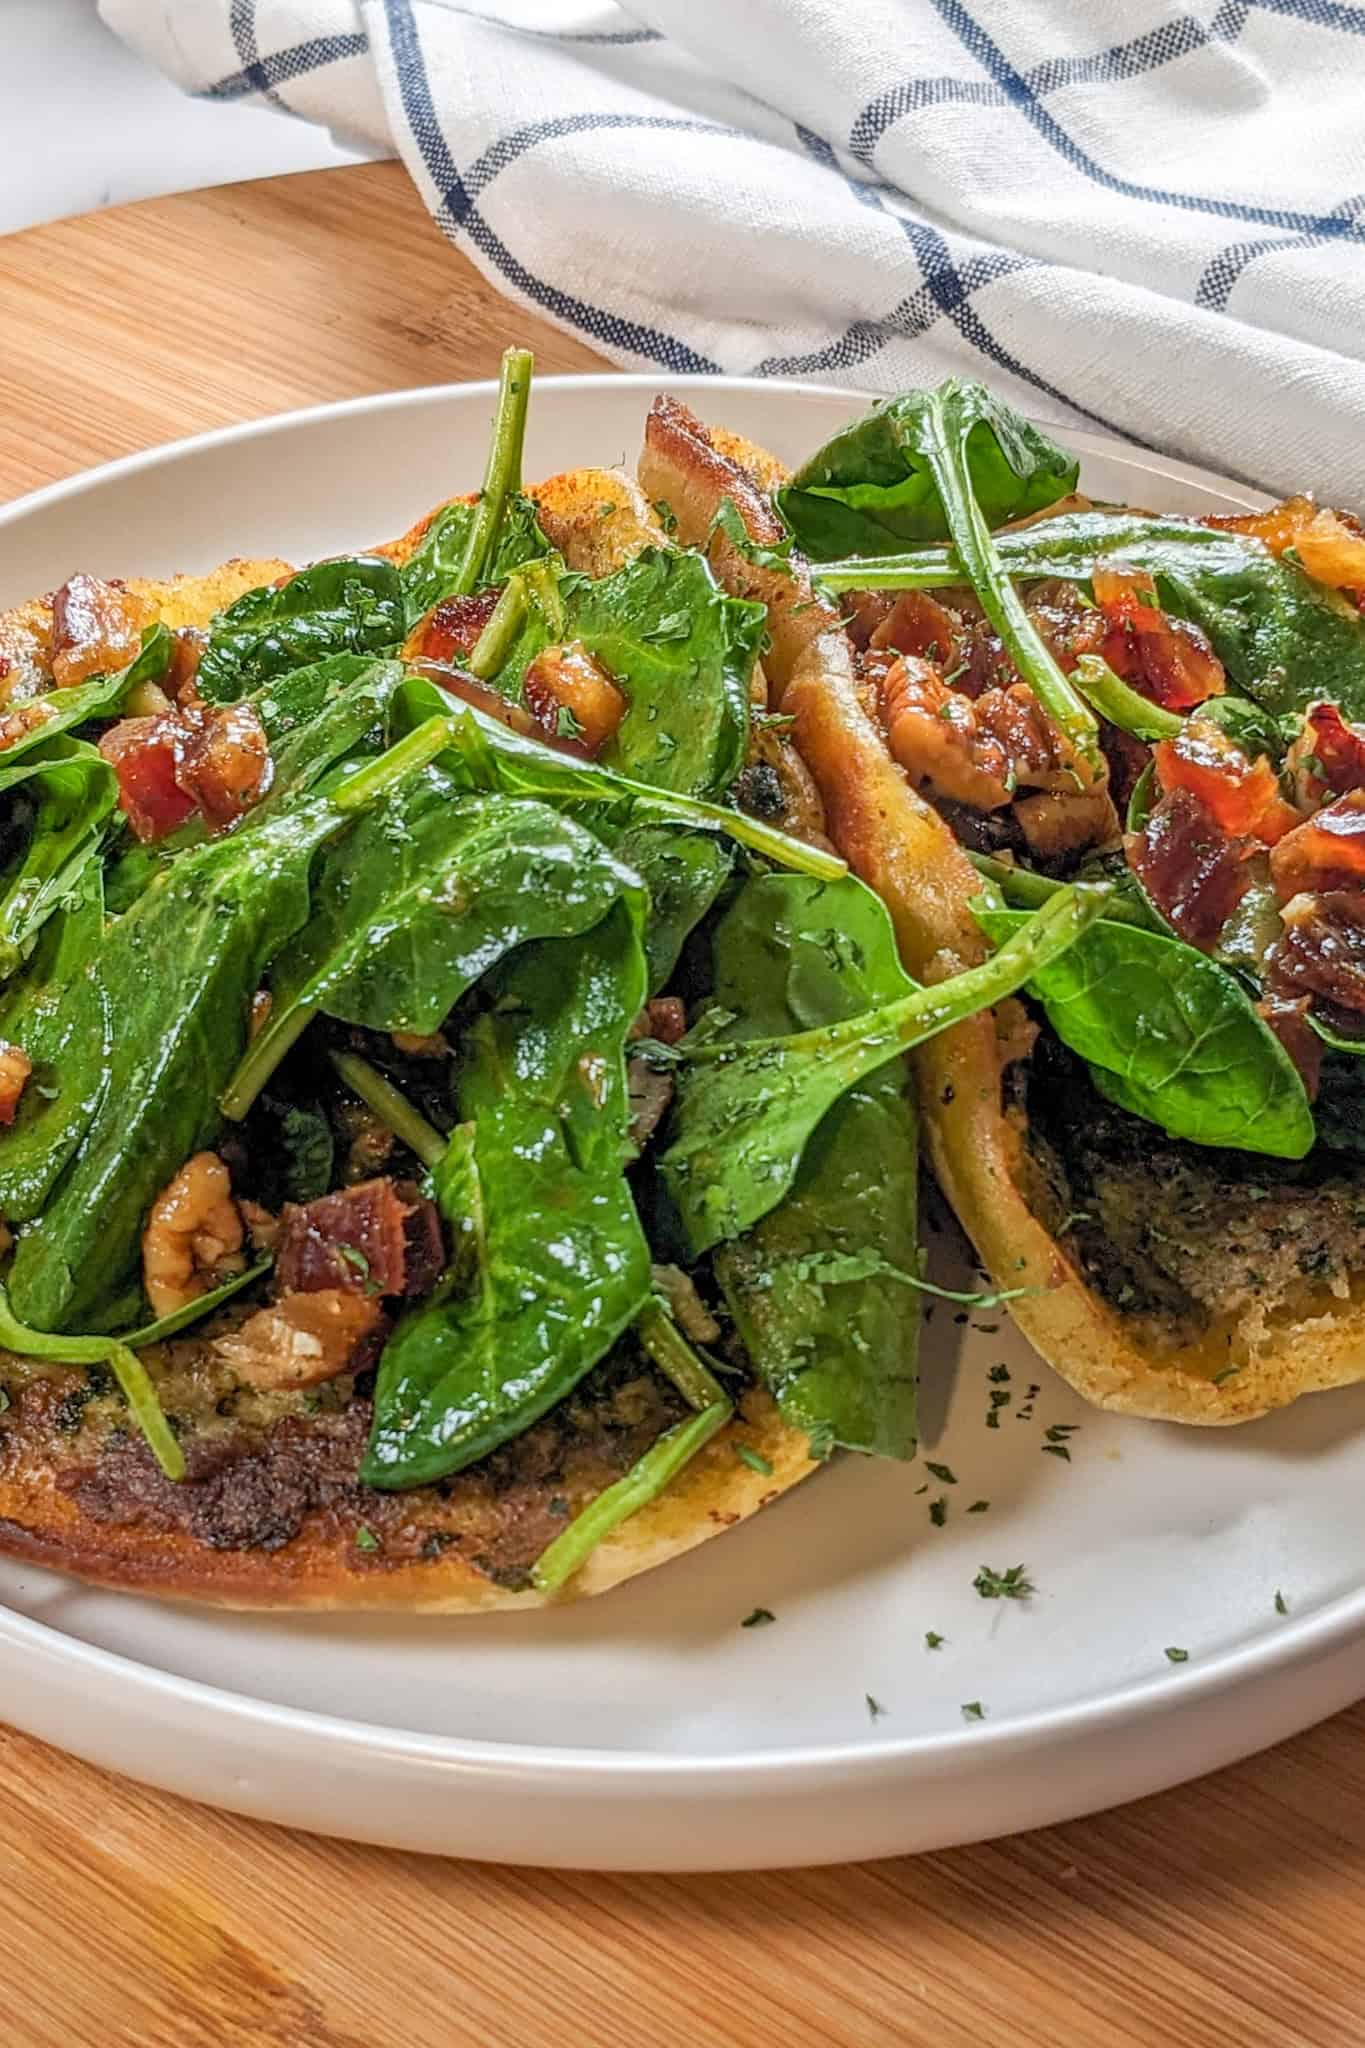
[{"x": 1276, "y": 1649}]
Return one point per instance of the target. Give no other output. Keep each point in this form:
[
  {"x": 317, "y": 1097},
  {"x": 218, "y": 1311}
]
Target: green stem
[
  {"x": 1020, "y": 887},
  {"x": 502, "y": 476},
  {"x": 859, "y": 1045},
  {"x": 792, "y": 854},
  {"x": 261, "y": 1058},
  {"x": 392, "y": 1108},
  {"x": 666, "y": 1345},
  {"x": 127, "y": 1368},
  {"x": 1122, "y": 706},
  {"x": 660, "y": 1464},
  {"x": 193, "y": 1311},
  {"x": 946, "y": 454},
  {"x": 918, "y": 569},
  {"x": 543, "y": 585},
  {"x": 493, "y": 645},
  {"x": 378, "y": 777}
]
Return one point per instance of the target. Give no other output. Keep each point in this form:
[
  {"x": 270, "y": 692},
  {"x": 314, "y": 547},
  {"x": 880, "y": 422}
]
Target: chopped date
[{"x": 1190, "y": 867}]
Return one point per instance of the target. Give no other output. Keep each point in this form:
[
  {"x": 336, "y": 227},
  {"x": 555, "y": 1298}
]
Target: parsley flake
[
  {"x": 938, "y": 1511},
  {"x": 760, "y": 1618},
  {"x": 1014, "y": 1584},
  {"x": 972, "y": 1710},
  {"x": 874, "y": 1707},
  {"x": 1178, "y": 1656},
  {"x": 933, "y": 1640},
  {"x": 755, "y": 1460},
  {"x": 1056, "y": 1451},
  {"x": 1281, "y": 1604},
  {"x": 365, "y": 1539},
  {"x": 942, "y": 1473},
  {"x": 978, "y": 1507},
  {"x": 567, "y": 726}
]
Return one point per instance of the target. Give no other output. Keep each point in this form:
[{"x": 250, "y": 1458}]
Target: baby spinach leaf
[
  {"x": 872, "y": 489},
  {"x": 56, "y": 1011},
  {"x": 175, "y": 977},
  {"x": 832, "y": 1337},
  {"x": 74, "y": 792},
  {"x": 350, "y": 606},
  {"x": 100, "y": 697},
  {"x": 419, "y": 899},
  {"x": 432, "y": 571},
  {"x": 1284, "y": 640},
  {"x": 485, "y": 755},
  {"x": 1170, "y": 1036},
  {"x": 684, "y": 873},
  {"x": 680, "y": 650},
  {"x": 551, "y": 1262},
  {"x": 745, "y": 1112},
  {"x": 319, "y": 716}
]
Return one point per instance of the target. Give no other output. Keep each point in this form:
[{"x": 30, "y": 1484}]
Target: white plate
[{"x": 650, "y": 1729}]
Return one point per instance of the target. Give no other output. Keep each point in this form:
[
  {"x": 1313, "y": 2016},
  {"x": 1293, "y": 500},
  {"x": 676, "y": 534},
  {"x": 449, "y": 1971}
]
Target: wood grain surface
[{"x": 1230, "y": 1914}]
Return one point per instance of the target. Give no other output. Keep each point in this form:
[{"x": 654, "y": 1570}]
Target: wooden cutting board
[{"x": 1229, "y": 1914}]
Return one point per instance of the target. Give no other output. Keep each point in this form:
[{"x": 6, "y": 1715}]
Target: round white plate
[{"x": 650, "y": 1729}]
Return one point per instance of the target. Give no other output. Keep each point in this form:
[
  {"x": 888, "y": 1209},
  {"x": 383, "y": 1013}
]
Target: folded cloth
[{"x": 1120, "y": 215}]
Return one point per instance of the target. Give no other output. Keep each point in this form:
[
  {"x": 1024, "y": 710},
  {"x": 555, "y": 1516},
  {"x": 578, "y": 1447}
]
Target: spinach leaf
[
  {"x": 552, "y": 1264},
  {"x": 419, "y": 899},
  {"x": 307, "y": 1151},
  {"x": 1283, "y": 639},
  {"x": 745, "y": 1112},
  {"x": 319, "y": 716},
  {"x": 484, "y": 755},
  {"x": 813, "y": 1286},
  {"x": 684, "y": 873},
  {"x": 175, "y": 977},
  {"x": 872, "y": 489},
  {"x": 1170, "y": 1036},
  {"x": 681, "y": 651},
  {"x": 75, "y": 792},
  {"x": 432, "y": 571},
  {"x": 56, "y": 1011},
  {"x": 100, "y": 697},
  {"x": 350, "y": 606}
]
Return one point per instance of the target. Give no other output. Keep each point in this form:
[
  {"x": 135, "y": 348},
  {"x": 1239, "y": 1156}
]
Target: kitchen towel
[{"x": 1121, "y": 215}]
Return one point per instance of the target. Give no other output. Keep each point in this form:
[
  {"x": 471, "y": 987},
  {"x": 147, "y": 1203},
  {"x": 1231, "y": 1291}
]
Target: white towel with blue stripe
[{"x": 1121, "y": 215}]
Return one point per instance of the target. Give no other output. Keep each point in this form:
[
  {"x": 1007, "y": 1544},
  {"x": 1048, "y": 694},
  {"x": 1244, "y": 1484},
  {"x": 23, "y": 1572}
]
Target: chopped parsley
[
  {"x": 1281, "y": 1604},
  {"x": 942, "y": 1473},
  {"x": 365, "y": 1539},
  {"x": 978, "y": 1507},
  {"x": 755, "y": 1460},
  {"x": 998, "y": 1373},
  {"x": 665, "y": 515},
  {"x": 1014, "y": 1584},
  {"x": 938, "y": 1511},
  {"x": 567, "y": 726},
  {"x": 972, "y": 1710},
  {"x": 760, "y": 1618},
  {"x": 1056, "y": 1451},
  {"x": 1229, "y": 1372},
  {"x": 1178, "y": 1656},
  {"x": 358, "y": 1263},
  {"x": 874, "y": 1707},
  {"x": 933, "y": 1640}
]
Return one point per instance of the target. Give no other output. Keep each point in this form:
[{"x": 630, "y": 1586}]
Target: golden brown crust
[
  {"x": 322, "y": 1567},
  {"x": 901, "y": 848}
]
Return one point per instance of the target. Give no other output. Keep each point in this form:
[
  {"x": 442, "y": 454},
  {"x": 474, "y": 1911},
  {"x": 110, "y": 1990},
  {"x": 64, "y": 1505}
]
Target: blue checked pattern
[{"x": 1128, "y": 213}]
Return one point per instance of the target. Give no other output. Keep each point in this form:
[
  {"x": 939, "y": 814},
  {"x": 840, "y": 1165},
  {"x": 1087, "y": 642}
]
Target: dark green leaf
[
  {"x": 746, "y": 1111},
  {"x": 350, "y": 606},
  {"x": 73, "y": 792},
  {"x": 1170, "y": 1036},
  {"x": 831, "y": 1337},
  {"x": 175, "y": 977},
  {"x": 431, "y": 571},
  {"x": 684, "y": 873},
  {"x": 551, "y": 1262},
  {"x": 871, "y": 491}
]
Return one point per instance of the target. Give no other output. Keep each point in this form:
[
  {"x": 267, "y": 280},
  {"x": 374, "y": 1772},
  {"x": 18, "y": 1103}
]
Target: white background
[{"x": 84, "y": 123}]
